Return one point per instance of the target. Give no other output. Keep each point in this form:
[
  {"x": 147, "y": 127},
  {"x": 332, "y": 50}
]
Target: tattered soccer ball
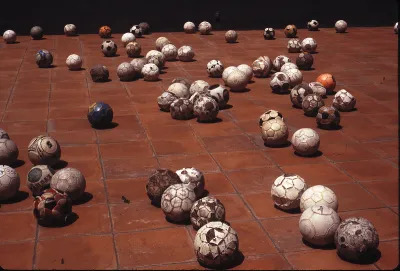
[
  {"x": 177, "y": 201},
  {"x": 313, "y": 25},
  {"x": 247, "y": 70},
  {"x": 290, "y": 31},
  {"x": 181, "y": 109},
  {"x": 318, "y": 225},
  {"x": 74, "y": 62},
  {"x": 279, "y": 82},
  {"x": 311, "y": 103},
  {"x": 205, "y": 109},
  {"x": 170, "y": 52},
  {"x": 294, "y": 46},
  {"x": 44, "y": 150},
  {"x": 205, "y": 28},
  {"x": 4, "y": 134},
  {"x": 127, "y": 38},
  {"x": 206, "y": 210},
  {"x": 9, "y": 182},
  {"x": 39, "y": 178},
  {"x": 145, "y": 28},
  {"x": 8, "y": 152},
  {"x": 69, "y": 181},
  {"x": 193, "y": 178},
  {"x": 216, "y": 244},
  {"x": 305, "y": 142},
  {"x": 126, "y": 71},
  {"x": 298, "y": 93},
  {"x": 158, "y": 182},
  {"x": 295, "y": 77},
  {"x": 44, "y": 59},
  {"x": 237, "y": 80},
  {"x": 138, "y": 64},
  {"x": 269, "y": 33},
  {"x": 165, "y": 100},
  {"x": 137, "y": 31},
  {"x": 309, "y": 45},
  {"x": 304, "y": 61},
  {"x": 156, "y": 57},
  {"x": 161, "y": 42},
  {"x": 185, "y": 53},
  {"x": 318, "y": 88},
  {"x": 180, "y": 90},
  {"x": 328, "y": 81},
  {"x": 215, "y": 68},
  {"x": 318, "y": 195},
  {"x": 279, "y": 61},
  {"x": 99, "y": 73},
  {"x": 9, "y": 36},
  {"x": 199, "y": 86},
  {"x": 133, "y": 49},
  {"x": 287, "y": 190},
  {"x": 150, "y": 72},
  {"x": 328, "y": 117},
  {"x": 189, "y": 28},
  {"x": 220, "y": 94},
  {"x": 105, "y": 32},
  {"x": 109, "y": 48},
  {"x": 341, "y": 26},
  {"x": 288, "y": 66},
  {"x": 231, "y": 36},
  {"x": 274, "y": 132},
  {"x": 344, "y": 101},
  {"x": 262, "y": 66},
  {"x": 269, "y": 115}
]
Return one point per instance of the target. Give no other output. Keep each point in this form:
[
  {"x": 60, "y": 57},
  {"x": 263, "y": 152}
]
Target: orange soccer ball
[
  {"x": 328, "y": 81},
  {"x": 105, "y": 32},
  {"x": 290, "y": 31}
]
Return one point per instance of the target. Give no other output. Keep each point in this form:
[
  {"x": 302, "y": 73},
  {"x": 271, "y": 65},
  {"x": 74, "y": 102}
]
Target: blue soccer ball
[{"x": 100, "y": 114}]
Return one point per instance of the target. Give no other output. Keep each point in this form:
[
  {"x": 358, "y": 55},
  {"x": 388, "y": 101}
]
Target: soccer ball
[
  {"x": 182, "y": 80},
  {"x": 318, "y": 195},
  {"x": 198, "y": 86},
  {"x": 220, "y": 94},
  {"x": 180, "y": 90},
  {"x": 269, "y": 33},
  {"x": 290, "y": 31},
  {"x": 69, "y": 181},
  {"x": 318, "y": 225},
  {"x": 328, "y": 81},
  {"x": 9, "y": 182},
  {"x": 298, "y": 93},
  {"x": 279, "y": 82},
  {"x": 133, "y": 49},
  {"x": 181, "y": 109},
  {"x": 262, "y": 66},
  {"x": 193, "y": 178},
  {"x": 52, "y": 207},
  {"x": 309, "y": 45},
  {"x": 44, "y": 59},
  {"x": 341, "y": 26},
  {"x": 125, "y": 71},
  {"x": 294, "y": 46},
  {"x": 274, "y": 132},
  {"x": 74, "y": 62},
  {"x": 304, "y": 61},
  {"x": 279, "y": 61},
  {"x": 215, "y": 68},
  {"x": 150, "y": 72},
  {"x": 165, "y": 100},
  {"x": 39, "y": 178},
  {"x": 70, "y": 30},
  {"x": 36, "y": 32},
  {"x": 295, "y": 77},
  {"x": 205, "y": 28},
  {"x": 313, "y": 25},
  {"x": 8, "y": 152},
  {"x": 228, "y": 71},
  {"x": 161, "y": 42},
  {"x": 127, "y": 38},
  {"x": 185, "y": 53},
  {"x": 237, "y": 80},
  {"x": 269, "y": 115},
  {"x": 328, "y": 117},
  {"x": 216, "y": 244},
  {"x": 4, "y": 134},
  {"x": 170, "y": 52},
  {"x": 137, "y": 31},
  {"x": 287, "y": 190},
  {"x": 231, "y": 36},
  {"x": 396, "y": 28},
  {"x": 189, "y": 28},
  {"x": 305, "y": 141},
  {"x": 44, "y": 150},
  {"x": 288, "y": 66},
  {"x": 158, "y": 182},
  {"x": 205, "y": 109},
  {"x": 318, "y": 88},
  {"x": 138, "y": 64},
  {"x": 145, "y": 28},
  {"x": 109, "y": 48},
  {"x": 100, "y": 114},
  {"x": 99, "y": 73},
  {"x": 356, "y": 239},
  {"x": 344, "y": 101},
  {"x": 311, "y": 103},
  {"x": 9, "y": 36},
  {"x": 206, "y": 210},
  {"x": 247, "y": 70},
  {"x": 105, "y": 32},
  {"x": 177, "y": 201}
]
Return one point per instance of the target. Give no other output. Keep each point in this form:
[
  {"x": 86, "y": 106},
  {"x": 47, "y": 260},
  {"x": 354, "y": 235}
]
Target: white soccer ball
[
  {"x": 318, "y": 88},
  {"x": 247, "y": 70},
  {"x": 344, "y": 101},
  {"x": 150, "y": 72},
  {"x": 279, "y": 82},
  {"x": 396, "y": 28},
  {"x": 109, "y": 48},
  {"x": 279, "y": 61},
  {"x": 161, "y": 42},
  {"x": 318, "y": 195},
  {"x": 126, "y": 71},
  {"x": 137, "y": 31},
  {"x": 340, "y": 26},
  {"x": 156, "y": 57},
  {"x": 294, "y": 46},
  {"x": 305, "y": 141},
  {"x": 262, "y": 66},
  {"x": 9, "y": 182},
  {"x": 170, "y": 52},
  {"x": 228, "y": 71},
  {"x": 189, "y": 28},
  {"x": 193, "y": 178},
  {"x": 309, "y": 45},
  {"x": 74, "y": 62},
  {"x": 318, "y": 225},
  {"x": 274, "y": 132},
  {"x": 179, "y": 89},
  {"x": 127, "y": 38},
  {"x": 220, "y": 94},
  {"x": 215, "y": 68},
  {"x": 9, "y": 36},
  {"x": 185, "y": 53},
  {"x": 199, "y": 86},
  {"x": 69, "y": 181},
  {"x": 295, "y": 77},
  {"x": 206, "y": 210},
  {"x": 205, "y": 28},
  {"x": 177, "y": 201},
  {"x": 70, "y": 30},
  {"x": 287, "y": 190},
  {"x": 288, "y": 66}
]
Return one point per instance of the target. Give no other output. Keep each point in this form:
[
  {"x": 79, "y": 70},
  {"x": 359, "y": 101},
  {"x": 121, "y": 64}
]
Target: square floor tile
[
  {"x": 372, "y": 170},
  {"x": 24, "y": 251},
  {"x": 23, "y": 225},
  {"x": 387, "y": 192}
]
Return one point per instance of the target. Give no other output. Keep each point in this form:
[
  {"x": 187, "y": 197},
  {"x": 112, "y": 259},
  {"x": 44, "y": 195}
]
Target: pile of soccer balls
[
  {"x": 355, "y": 238},
  {"x": 180, "y": 195}
]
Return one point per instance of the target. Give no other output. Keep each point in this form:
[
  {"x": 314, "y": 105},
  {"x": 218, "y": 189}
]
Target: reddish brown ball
[
  {"x": 311, "y": 104},
  {"x": 52, "y": 207},
  {"x": 158, "y": 182},
  {"x": 105, "y": 32},
  {"x": 304, "y": 61},
  {"x": 328, "y": 117},
  {"x": 328, "y": 81},
  {"x": 290, "y": 31}
]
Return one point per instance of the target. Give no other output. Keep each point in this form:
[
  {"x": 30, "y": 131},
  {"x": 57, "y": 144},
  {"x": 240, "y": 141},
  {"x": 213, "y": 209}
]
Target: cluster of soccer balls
[
  {"x": 355, "y": 238},
  {"x": 180, "y": 196}
]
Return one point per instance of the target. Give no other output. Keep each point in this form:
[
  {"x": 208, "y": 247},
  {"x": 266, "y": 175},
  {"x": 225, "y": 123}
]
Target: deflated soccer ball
[
  {"x": 193, "y": 178},
  {"x": 279, "y": 61},
  {"x": 318, "y": 88},
  {"x": 287, "y": 190},
  {"x": 279, "y": 82},
  {"x": 181, "y": 109},
  {"x": 206, "y": 109},
  {"x": 298, "y": 93},
  {"x": 262, "y": 66},
  {"x": 165, "y": 100},
  {"x": 269, "y": 115},
  {"x": 328, "y": 117},
  {"x": 220, "y": 94},
  {"x": 199, "y": 86},
  {"x": 344, "y": 101},
  {"x": 311, "y": 103}
]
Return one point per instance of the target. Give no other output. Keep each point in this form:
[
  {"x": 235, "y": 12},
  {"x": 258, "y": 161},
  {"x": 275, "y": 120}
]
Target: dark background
[{"x": 170, "y": 15}]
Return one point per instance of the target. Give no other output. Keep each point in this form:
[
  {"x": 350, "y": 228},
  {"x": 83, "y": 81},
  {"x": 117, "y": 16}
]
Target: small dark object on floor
[{"x": 125, "y": 200}]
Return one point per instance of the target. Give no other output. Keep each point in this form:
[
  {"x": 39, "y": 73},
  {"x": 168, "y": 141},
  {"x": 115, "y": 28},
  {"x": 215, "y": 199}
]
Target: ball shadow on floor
[
  {"x": 108, "y": 126},
  {"x": 336, "y": 128},
  {"x": 61, "y": 164},
  {"x": 216, "y": 120},
  {"x": 69, "y": 220},
  {"x": 316, "y": 154},
  {"x": 237, "y": 260},
  {"x": 227, "y": 106},
  {"x": 86, "y": 197},
  {"x": 18, "y": 197},
  {"x": 185, "y": 222},
  {"x": 290, "y": 211},
  {"x": 18, "y": 163},
  {"x": 325, "y": 247},
  {"x": 205, "y": 193},
  {"x": 283, "y": 145},
  {"x": 77, "y": 70},
  {"x": 103, "y": 81},
  {"x": 239, "y": 91},
  {"x": 370, "y": 257}
]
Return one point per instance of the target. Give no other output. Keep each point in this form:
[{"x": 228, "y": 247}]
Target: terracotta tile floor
[{"x": 359, "y": 162}]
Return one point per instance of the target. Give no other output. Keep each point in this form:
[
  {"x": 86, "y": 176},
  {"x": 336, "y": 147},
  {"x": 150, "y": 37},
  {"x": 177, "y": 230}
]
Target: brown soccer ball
[
  {"x": 311, "y": 104},
  {"x": 304, "y": 61},
  {"x": 328, "y": 81},
  {"x": 105, "y": 32},
  {"x": 181, "y": 109},
  {"x": 99, "y": 73},
  {"x": 158, "y": 182},
  {"x": 328, "y": 117},
  {"x": 290, "y": 31}
]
